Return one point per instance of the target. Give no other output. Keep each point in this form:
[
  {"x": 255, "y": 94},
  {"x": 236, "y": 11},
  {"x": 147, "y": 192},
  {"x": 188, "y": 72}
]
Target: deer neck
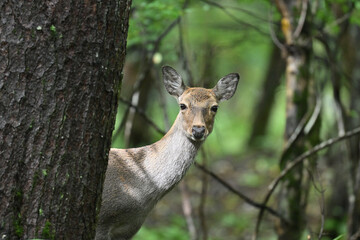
[{"x": 171, "y": 157}]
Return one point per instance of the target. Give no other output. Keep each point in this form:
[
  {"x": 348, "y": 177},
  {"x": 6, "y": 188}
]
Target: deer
[{"x": 137, "y": 178}]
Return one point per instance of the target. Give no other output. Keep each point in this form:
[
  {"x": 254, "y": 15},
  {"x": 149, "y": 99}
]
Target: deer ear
[
  {"x": 173, "y": 81},
  {"x": 226, "y": 86}
]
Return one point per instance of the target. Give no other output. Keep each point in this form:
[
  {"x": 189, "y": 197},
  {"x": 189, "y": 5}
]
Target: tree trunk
[
  {"x": 298, "y": 94},
  {"x": 60, "y": 72},
  {"x": 346, "y": 193},
  {"x": 268, "y": 92},
  {"x": 351, "y": 61}
]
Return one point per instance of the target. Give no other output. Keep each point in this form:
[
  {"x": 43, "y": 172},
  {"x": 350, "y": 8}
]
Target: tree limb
[
  {"x": 142, "y": 114},
  {"x": 238, "y": 193},
  {"x": 292, "y": 164},
  {"x": 301, "y": 19},
  {"x": 234, "y": 17}
]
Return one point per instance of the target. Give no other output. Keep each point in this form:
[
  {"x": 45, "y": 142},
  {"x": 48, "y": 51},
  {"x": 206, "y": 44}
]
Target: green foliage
[
  {"x": 48, "y": 232},
  {"x": 355, "y": 16},
  {"x": 339, "y": 237},
  {"x": 53, "y": 29},
  {"x": 175, "y": 231},
  {"x": 335, "y": 225},
  {"x": 150, "y": 18},
  {"x": 237, "y": 223},
  {"x": 19, "y": 230}
]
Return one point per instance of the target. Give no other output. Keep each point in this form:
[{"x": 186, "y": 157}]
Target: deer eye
[
  {"x": 183, "y": 106},
  {"x": 214, "y": 108}
]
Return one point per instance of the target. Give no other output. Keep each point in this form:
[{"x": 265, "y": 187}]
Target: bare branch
[
  {"x": 274, "y": 38},
  {"x": 305, "y": 125},
  {"x": 301, "y": 19},
  {"x": 121, "y": 125},
  {"x": 250, "y": 13},
  {"x": 321, "y": 191},
  {"x": 355, "y": 236},
  {"x": 183, "y": 56},
  {"x": 282, "y": 8},
  {"x": 167, "y": 30},
  {"x": 292, "y": 164},
  {"x": 238, "y": 193},
  {"x": 187, "y": 210},
  {"x": 234, "y": 17},
  {"x": 164, "y": 34},
  {"x": 203, "y": 195},
  {"x": 286, "y": 26},
  {"x": 142, "y": 114}
]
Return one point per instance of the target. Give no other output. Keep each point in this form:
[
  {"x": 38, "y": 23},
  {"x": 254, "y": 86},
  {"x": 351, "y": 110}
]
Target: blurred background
[{"x": 295, "y": 92}]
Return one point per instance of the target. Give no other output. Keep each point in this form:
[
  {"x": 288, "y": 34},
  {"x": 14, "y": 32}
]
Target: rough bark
[{"x": 60, "y": 72}]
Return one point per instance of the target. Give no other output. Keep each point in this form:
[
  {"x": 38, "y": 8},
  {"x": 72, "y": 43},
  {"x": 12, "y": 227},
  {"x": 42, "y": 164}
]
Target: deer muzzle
[{"x": 198, "y": 132}]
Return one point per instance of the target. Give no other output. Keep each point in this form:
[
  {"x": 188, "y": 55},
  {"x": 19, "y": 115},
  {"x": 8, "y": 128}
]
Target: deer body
[{"x": 137, "y": 178}]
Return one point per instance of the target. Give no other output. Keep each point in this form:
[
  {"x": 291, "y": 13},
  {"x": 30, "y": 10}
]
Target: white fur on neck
[{"x": 172, "y": 157}]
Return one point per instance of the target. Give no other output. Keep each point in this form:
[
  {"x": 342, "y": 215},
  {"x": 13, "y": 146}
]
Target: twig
[
  {"x": 167, "y": 30},
  {"x": 142, "y": 114},
  {"x": 282, "y": 8},
  {"x": 234, "y": 17},
  {"x": 355, "y": 236},
  {"x": 121, "y": 125},
  {"x": 322, "y": 211},
  {"x": 320, "y": 190},
  {"x": 131, "y": 117},
  {"x": 314, "y": 117},
  {"x": 285, "y": 22},
  {"x": 147, "y": 65},
  {"x": 305, "y": 125},
  {"x": 187, "y": 210},
  {"x": 182, "y": 56},
  {"x": 301, "y": 19},
  {"x": 292, "y": 164},
  {"x": 238, "y": 193},
  {"x": 273, "y": 36},
  {"x": 203, "y": 199},
  {"x": 341, "y": 19},
  {"x": 163, "y": 34},
  {"x": 250, "y": 13}
]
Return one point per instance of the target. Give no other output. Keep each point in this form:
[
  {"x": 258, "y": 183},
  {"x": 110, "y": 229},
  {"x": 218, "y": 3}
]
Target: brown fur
[{"x": 137, "y": 178}]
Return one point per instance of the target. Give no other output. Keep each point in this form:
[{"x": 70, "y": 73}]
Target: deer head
[{"x": 198, "y": 106}]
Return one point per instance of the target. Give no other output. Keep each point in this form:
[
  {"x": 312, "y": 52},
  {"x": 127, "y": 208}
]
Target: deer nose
[{"x": 198, "y": 131}]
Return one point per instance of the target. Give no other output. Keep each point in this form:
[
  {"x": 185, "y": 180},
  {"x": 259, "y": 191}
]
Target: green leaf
[{"x": 338, "y": 237}]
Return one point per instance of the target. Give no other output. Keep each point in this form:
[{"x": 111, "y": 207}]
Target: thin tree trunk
[
  {"x": 297, "y": 95},
  {"x": 264, "y": 105},
  {"x": 60, "y": 72},
  {"x": 349, "y": 181},
  {"x": 352, "y": 60}
]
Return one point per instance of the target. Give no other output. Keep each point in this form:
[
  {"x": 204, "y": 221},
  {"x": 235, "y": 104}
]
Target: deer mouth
[{"x": 198, "y": 134}]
